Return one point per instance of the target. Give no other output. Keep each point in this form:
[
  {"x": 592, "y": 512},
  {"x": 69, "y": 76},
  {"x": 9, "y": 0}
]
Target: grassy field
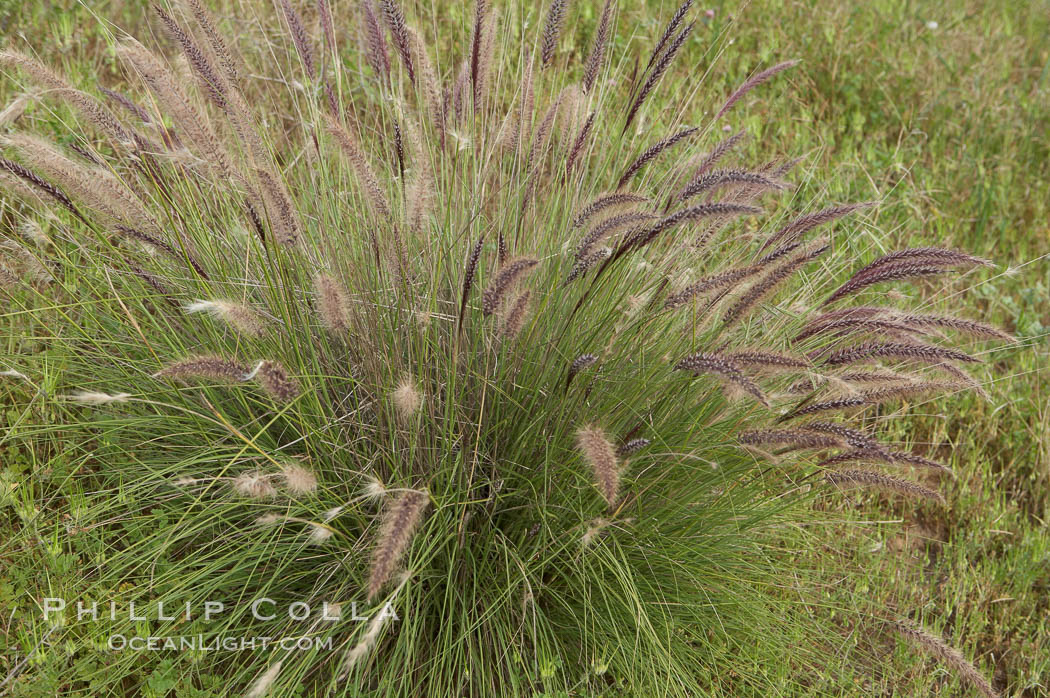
[{"x": 940, "y": 111}]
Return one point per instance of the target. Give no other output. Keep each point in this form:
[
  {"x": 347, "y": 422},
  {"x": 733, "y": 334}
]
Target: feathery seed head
[
  {"x": 239, "y": 317},
  {"x": 600, "y": 455},
  {"x": 87, "y": 397},
  {"x": 796, "y": 438},
  {"x": 803, "y": 224},
  {"x": 607, "y": 202},
  {"x": 262, "y": 685},
  {"x": 751, "y": 83},
  {"x": 651, "y": 154},
  {"x": 12, "y": 373},
  {"x": 319, "y": 534},
  {"x": 517, "y": 315},
  {"x": 953, "y": 658},
  {"x": 371, "y": 636},
  {"x": 395, "y": 20},
  {"x": 660, "y": 64},
  {"x": 551, "y": 31},
  {"x": 874, "y": 480},
  {"x": 401, "y": 516},
  {"x": 333, "y": 305},
  {"x": 587, "y": 262},
  {"x": 595, "y": 528},
  {"x": 213, "y": 368},
  {"x": 332, "y": 611},
  {"x": 503, "y": 282},
  {"x": 14, "y": 110},
  {"x": 578, "y": 364},
  {"x": 407, "y": 398},
  {"x": 601, "y": 40},
  {"x": 275, "y": 381},
  {"x": 253, "y": 484},
  {"x": 724, "y": 368},
  {"x": 298, "y": 479},
  {"x": 374, "y": 490},
  {"x": 377, "y": 55},
  {"x": 581, "y": 362},
  {"x": 900, "y": 350},
  {"x": 632, "y": 446}
]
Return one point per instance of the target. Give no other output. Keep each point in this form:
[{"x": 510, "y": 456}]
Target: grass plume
[
  {"x": 935, "y": 646},
  {"x": 504, "y": 280},
  {"x": 878, "y": 481},
  {"x": 401, "y": 517},
  {"x": 600, "y": 455}
]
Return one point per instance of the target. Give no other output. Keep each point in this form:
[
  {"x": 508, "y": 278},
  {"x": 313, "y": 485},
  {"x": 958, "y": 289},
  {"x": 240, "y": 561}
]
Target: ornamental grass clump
[{"x": 354, "y": 278}]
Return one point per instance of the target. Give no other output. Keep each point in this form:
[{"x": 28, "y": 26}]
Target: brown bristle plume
[
  {"x": 401, "y": 517},
  {"x": 874, "y": 480},
  {"x": 938, "y": 648},
  {"x": 214, "y": 368},
  {"x": 274, "y": 379},
  {"x": 600, "y": 455},
  {"x": 505, "y": 279},
  {"x": 719, "y": 365}
]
